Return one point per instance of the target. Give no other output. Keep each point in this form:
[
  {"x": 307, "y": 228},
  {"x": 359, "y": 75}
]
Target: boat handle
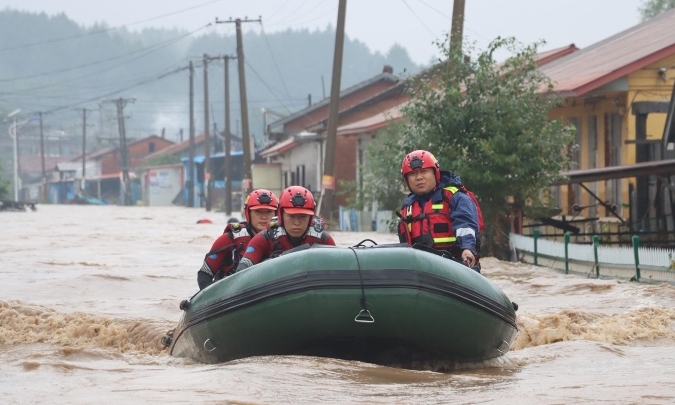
[
  {"x": 364, "y": 316},
  {"x": 211, "y": 344},
  {"x": 504, "y": 342}
]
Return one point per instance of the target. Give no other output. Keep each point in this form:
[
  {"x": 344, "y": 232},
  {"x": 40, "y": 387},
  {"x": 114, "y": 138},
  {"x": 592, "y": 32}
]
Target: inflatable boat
[{"x": 383, "y": 304}]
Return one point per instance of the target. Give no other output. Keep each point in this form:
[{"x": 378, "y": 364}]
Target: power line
[
  {"x": 174, "y": 71},
  {"x": 159, "y": 46},
  {"x": 51, "y": 41},
  {"x": 274, "y": 59},
  {"x": 266, "y": 85}
]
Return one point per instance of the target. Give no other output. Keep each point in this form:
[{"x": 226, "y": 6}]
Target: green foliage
[
  {"x": 487, "y": 122},
  {"x": 4, "y": 185},
  {"x": 160, "y": 161},
  {"x": 652, "y": 8},
  {"x": 383, "y": 157}
]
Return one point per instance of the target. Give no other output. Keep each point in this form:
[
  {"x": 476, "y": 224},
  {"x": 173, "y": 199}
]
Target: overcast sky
[{"x": 414, "y": 24}]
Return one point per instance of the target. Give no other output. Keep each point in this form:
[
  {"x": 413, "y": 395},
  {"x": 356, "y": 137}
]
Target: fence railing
[{"x": 634, "y": 263}]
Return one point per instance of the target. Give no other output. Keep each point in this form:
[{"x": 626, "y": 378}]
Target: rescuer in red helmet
[
  {"x": 439, "y": 212},
  {"x": 296, "y": 225},
  {"x": 222, "y": 260}
]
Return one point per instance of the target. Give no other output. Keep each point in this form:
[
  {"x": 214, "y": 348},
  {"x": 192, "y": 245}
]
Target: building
[
  {"x": 617, "y": 95},
  {"x": 300, "y": 138},
  {"x": 103, "y": 172}
]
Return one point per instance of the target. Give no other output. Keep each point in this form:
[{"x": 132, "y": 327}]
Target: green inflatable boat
[{"x": 385, "y": 304}]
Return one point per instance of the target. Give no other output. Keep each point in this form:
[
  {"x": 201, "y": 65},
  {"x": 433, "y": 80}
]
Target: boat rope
[{"x": 364, "y": 315}]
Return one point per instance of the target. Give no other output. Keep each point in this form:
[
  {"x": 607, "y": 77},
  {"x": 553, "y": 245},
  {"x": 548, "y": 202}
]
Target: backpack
[{"x": 481, "y": 224}]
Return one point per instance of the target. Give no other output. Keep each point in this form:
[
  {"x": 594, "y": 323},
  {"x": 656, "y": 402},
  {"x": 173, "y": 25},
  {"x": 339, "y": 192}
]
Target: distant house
[
  {"x": 300, "y": 137},
  {"x": 181, "y": 154},
  {"x": 103, "y": 171}
]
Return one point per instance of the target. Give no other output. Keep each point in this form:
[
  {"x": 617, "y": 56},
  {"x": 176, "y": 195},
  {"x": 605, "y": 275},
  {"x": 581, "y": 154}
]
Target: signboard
[{"x": 327, "y": 182}]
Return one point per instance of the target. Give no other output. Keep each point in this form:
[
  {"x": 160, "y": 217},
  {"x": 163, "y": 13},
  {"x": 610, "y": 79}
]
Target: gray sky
[{"x": 414, "y": 24}]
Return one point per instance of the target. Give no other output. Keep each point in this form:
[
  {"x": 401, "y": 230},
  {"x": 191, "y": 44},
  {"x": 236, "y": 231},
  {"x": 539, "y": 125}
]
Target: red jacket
[
  {"x": 227, "y": 250},
  {"x": 274, "y": 241}
]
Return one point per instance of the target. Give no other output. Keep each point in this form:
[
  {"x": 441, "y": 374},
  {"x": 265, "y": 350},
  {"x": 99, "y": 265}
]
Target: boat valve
[
  {"x": 166, "y": 341},
  {"x": 168, "y": 338},
  {"x": 184, "y": 305}
]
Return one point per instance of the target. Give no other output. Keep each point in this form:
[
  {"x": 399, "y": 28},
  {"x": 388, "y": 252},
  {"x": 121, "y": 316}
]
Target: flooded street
[{"x": 86, "y": 293}]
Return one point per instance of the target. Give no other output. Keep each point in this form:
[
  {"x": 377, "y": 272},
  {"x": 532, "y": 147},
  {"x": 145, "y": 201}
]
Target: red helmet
[
  {"x": 260, "y": 199},
  {"x": 419, "y": 159},
  {"x": 296, "y": 200}
]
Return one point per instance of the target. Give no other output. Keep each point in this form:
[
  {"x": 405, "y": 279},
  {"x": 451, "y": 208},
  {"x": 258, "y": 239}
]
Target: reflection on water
[{"x": 86, "y": 293}]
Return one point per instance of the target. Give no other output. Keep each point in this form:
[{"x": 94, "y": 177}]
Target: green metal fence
[{"x": 632, "y": 263}]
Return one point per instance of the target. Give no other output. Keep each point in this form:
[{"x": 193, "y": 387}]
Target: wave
[
  {"x": 23, "y": 324},
  {"x": 649, "y": 323}
]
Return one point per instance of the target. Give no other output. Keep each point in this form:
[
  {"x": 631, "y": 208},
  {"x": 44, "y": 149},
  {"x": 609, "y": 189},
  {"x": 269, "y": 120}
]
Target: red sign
[{"x": 327, "y": 182}]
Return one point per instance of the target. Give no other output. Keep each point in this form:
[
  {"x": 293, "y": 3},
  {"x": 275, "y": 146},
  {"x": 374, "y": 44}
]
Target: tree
[
  {"x": 488, "y": 123},
  {"x": 652, "y": 8},
  {"x": 4, "y": 186},
  {"x": 387, "y": 194}
]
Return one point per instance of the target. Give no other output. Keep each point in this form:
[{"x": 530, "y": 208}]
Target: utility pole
[
  {"x": 328, "y": 179},
  {"x": 457, "y": 28},
  {"x": 124, "y": 152},
  {"x": 191, "y": 165},
  {"x": 207, "y": 138},
  {"x": 43, "y": 187},
  {"x": 228, "y": 139},
  {"x": 245, "y": 135},
  {"x": 83, "y": 185},
  {"x": 13, "y": 132}
]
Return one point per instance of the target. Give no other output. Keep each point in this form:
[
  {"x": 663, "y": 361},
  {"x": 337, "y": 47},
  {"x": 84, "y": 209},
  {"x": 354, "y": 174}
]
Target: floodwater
[{"x": 86, "y": 293}]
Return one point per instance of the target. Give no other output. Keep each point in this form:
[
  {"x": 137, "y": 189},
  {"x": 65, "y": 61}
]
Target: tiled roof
[
  {"x": 384, "y": 76},
  {"x": 372, "y": 123},
  {"x": 279, "y": 148},
  {"x": 614, "y": 57},
  {"x": 546, "y": 57},
  {"x": 176, "y": 148}
]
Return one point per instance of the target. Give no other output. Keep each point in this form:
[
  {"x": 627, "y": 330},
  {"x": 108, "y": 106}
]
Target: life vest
[
  {"x": 430, "y": 226},
  {"x": 281, "y": 241},
  {"x": 240, "y": 236}
]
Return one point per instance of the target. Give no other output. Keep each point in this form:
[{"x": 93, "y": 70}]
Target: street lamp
[{"x": 12, "y": 133}]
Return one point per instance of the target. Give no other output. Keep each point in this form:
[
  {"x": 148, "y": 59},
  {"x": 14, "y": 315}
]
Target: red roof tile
[{"x": 615, "y": 57}]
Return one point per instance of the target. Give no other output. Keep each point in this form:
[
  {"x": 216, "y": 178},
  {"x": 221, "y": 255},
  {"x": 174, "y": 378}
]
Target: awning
[
  {"x": 279, "y": 148},
  {"x": 109, "y": 176},
  {"x": 618, "y": 172}
]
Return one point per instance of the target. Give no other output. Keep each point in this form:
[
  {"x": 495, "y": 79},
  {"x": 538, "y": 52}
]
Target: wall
[
  {"x": 161, "y": 184},
  {"x": 611, "y": 104}
]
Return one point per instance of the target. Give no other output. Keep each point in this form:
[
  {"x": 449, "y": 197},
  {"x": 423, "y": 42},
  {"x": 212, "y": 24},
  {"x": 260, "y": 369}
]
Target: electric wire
[
  {"x": 276, "y": 64},
  {"x": 148, "y": 48},
  {"x": 51, "y": 41},
  {"x": 174, "y": 71},
  {"x": 266, "y": 85},
  {"x": 433, "y": 34}
]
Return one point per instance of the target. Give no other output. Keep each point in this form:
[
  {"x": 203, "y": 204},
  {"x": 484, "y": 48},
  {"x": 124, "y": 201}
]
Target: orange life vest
[{"x": 430, "y": 226}]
